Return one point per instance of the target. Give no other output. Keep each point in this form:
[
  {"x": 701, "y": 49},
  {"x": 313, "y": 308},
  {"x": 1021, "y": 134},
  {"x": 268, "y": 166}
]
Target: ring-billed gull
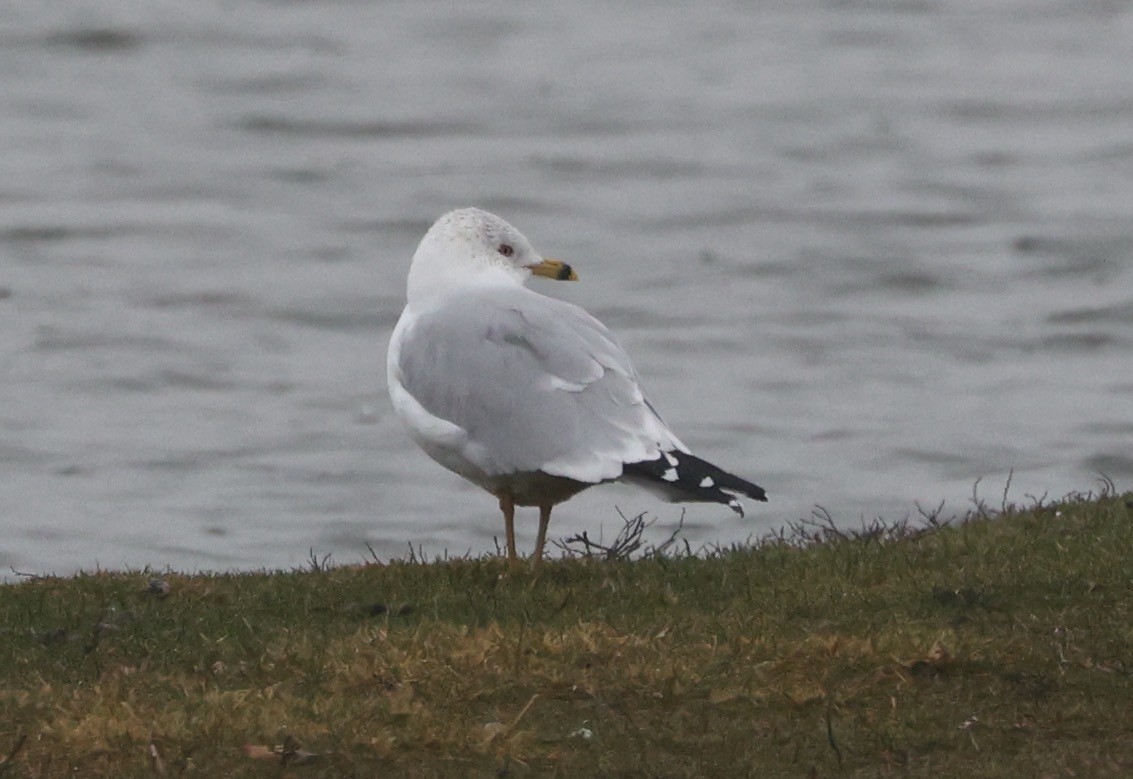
[{"x": 527, "y": 396}]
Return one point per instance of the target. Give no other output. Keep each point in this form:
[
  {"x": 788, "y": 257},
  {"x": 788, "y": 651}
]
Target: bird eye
[{"x": 506, "y": 249}]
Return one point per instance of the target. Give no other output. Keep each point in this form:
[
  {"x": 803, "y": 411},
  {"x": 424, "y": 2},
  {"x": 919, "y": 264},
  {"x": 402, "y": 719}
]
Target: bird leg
[
  {"x": 507, "y": 506},
  {"x": 540, "y": 540}
]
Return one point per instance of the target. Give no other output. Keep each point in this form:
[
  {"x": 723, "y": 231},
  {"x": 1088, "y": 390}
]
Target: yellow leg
[
  {"x": 507, "y": 505},
  {"x": 541, "y": 539}
]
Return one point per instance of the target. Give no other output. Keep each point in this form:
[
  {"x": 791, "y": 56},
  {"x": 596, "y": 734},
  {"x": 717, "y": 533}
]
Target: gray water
[{"x": 864, "y": 253}]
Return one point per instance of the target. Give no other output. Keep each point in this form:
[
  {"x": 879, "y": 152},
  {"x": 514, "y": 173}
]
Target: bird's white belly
[{"x": 445, "y": 442}]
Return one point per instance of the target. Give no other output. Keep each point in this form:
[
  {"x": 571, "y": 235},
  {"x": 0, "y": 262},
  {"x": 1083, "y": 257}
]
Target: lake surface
[{"x": 864, "y": 253}]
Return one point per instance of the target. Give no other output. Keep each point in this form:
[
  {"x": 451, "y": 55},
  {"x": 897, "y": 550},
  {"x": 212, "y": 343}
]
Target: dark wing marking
[{"x": 683, "y": 477}]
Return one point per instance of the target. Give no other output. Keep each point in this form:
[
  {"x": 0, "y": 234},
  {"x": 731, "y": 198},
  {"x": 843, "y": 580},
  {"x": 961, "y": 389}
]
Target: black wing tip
[
  {"x": 738, "y": 507},
  {"x": 697, "y": 479}
]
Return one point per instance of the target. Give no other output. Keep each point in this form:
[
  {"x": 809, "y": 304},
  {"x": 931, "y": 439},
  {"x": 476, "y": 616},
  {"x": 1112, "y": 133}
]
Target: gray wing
[{"x": 537, "y": 384}]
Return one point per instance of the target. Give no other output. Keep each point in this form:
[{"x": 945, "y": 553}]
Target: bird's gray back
[{"x": 535, "y": 382}]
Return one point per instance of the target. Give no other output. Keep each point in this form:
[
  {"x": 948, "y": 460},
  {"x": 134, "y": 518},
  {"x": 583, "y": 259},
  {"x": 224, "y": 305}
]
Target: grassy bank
[{"x": 997, "y": 647}]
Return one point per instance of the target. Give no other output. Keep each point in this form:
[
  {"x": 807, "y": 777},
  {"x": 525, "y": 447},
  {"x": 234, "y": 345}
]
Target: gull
[{"x": 527, "y": 396}]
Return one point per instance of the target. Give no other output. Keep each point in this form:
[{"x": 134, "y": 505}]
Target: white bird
[{"x": 527, "y": 396}]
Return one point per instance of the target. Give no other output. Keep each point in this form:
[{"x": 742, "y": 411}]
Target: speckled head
[{"x": 472, "y": 246}]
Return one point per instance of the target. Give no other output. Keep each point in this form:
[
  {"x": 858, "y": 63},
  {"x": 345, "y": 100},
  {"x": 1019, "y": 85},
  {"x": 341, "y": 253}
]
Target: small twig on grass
[
  {"x": 494, "y": 731},
  {"x": 523, "y": 711},
  {"x": 825, "y": 523},
  {"x": 830, "y": 735},
  {"x": 625, "y": 544},
  {"x": 416, "y": 556},
  {"x": 374, "y": 559},
  {"x": 977, "y": 501},
  {"x": 630, "y": 540},
  {"x": 819, "y": 529},
  {"x": 661, "y": 549},
  {"x": 932, "y": 517},
  {"x": 1108, "y": 488},
  {"x": 1004, "y": 506},
  {"x": 318, "y": 565},
  {"x": 31, "y": 577},
  {"x": 822, "y": 529}
]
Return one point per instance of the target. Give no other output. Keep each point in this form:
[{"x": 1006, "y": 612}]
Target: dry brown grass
[{"x": 993, "y": 647}]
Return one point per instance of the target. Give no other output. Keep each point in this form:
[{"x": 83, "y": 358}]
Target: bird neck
[{"x": 430, "y": 284}]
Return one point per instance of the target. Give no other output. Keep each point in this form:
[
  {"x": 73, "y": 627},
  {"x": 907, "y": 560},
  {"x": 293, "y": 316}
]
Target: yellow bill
[{"x": 554, "y": 269}]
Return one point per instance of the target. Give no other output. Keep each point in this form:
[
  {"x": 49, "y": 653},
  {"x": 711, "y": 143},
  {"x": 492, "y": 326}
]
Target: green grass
[{"x": 992, "y": 647}]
